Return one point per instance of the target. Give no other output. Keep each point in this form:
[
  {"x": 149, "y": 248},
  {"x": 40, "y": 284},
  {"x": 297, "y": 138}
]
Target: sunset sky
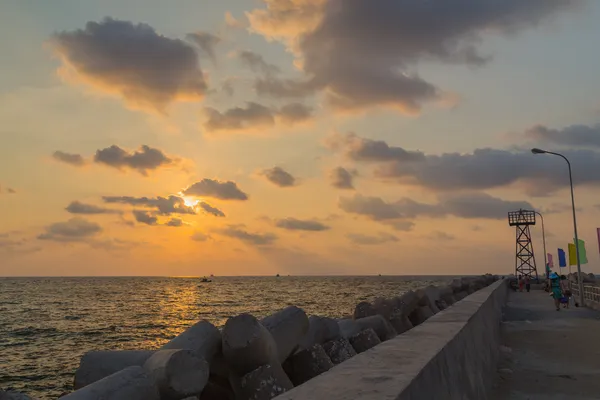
[{"x": 303, "y": 137}]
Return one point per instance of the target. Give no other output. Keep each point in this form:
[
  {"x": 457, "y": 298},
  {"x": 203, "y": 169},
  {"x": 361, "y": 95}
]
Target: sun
[{"x": 190, "y": 202}]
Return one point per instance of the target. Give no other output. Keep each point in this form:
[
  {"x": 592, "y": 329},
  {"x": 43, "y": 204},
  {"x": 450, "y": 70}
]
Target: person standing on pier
[
  {"x": 527, "y": 283},
  {"x": 555, "y": 289},
  {"x": 521, "y": 283}
]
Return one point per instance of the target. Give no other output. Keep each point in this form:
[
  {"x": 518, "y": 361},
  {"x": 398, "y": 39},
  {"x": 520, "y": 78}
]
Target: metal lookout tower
[{"x": 525, "y": 259}]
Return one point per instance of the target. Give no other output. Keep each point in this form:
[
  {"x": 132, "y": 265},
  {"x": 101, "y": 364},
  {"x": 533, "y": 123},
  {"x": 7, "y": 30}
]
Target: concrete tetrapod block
[
  {"x": 263, "y": 383},
  {"x": 425, "y": 300},
  {"x": 131, "y": 383},
  {"x": 213, "y": 391},
  {"x": 339, "y": 350},
  {"x": 385, "y": 307},
  {"x": 10, "y": 395},
  {"x": 307, "y": 363},
  {"x": 348, "y": 327},
  {"x": 320, "y": 330},
  {"x": 247, "y": 344},
  {"x": 178, "y": 373},
  {"x": 460, "y": 295},
  {"x": 202, "y": 337},
  {"x": 383, "y": 328},
  {"x": 364, "y": 340},
  {"x": 408, "y": 302},
  {"x": 434, "y": 294},
  {"x": 400, "y": 322},
  {"x": 364, "y": 309},
  {"x": 287, "y": 327},
  {"x": 95, "y": 365},
  {"x": 420, "y": 315}
]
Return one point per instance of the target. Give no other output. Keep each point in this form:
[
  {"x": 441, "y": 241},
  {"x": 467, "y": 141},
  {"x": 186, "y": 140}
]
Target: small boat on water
[
  {"x": 277, "y": 276},
  {"x": 205, "y": 280}
]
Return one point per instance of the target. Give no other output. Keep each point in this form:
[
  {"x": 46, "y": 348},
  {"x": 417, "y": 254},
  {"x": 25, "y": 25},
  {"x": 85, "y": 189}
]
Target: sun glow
[{"x": 190, "y": 202}]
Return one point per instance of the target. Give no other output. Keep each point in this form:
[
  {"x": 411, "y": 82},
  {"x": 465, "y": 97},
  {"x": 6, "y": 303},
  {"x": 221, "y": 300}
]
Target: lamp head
[{"x": 538, "y": 151}]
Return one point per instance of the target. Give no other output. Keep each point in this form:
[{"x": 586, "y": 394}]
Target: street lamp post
[
  {"x": 544, "y": 241},
  {"x": 579, "y": 277}
]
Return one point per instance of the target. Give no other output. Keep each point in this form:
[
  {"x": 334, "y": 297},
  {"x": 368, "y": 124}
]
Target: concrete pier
[{"x": 548, "y": 354}]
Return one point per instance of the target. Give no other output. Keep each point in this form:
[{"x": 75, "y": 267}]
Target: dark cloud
[
  {"x": 279, "y": 177},
  {"x": 217, "y": 189},
  {"x": 239, "y": 232},
  {"x": 163, "y": 205},
  {"x": 145, "y": 217},
  {"x": 361, "y": 149},
  {"x": 257, "y": 63},
  {"x": 272, "y": 86},
  {"x": 75, "y": 229},
  {"x": 342, "y": 178},
  {"x": 364, "y": 53},
  {"x": 206, "y": 42},
  {"x": 295, "y": 112},
  {"x": 574, "y": 135},
  {"x": 482, "y": 169},
  {"x": 149, "y": 70},
  {"x": 399, "y": 214},
  {"x": 442, "y": 236},
  {"x": 142, "y": 160},
  {"x": 227, "y": 87},
  {"x": 200, "y": 237},
  {"x": 294, "y": 224},
  {"x": 359, "y": 238},
  {"x": 77, "y": 207},
  {"x": 211, "y": 210},
  {"x": 254, "y": 116},
  {"x": 73, "y": 159},
  {"x": 175, "y": 222}
]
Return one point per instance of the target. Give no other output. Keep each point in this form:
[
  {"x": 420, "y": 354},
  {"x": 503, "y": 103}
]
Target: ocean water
[{"x": 46, "y": 324}]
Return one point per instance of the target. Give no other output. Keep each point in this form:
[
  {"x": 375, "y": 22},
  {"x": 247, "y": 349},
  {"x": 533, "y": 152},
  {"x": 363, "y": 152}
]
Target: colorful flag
[
  {"x": 582, "y": 252},
  {"x": 550, "y": 261},
  {"x": 572, "y": 254},
  {"x": 562, "y": 260}
]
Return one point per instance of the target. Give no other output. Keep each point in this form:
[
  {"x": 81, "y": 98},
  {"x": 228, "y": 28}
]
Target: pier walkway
[{"x": 549, "y": 354}]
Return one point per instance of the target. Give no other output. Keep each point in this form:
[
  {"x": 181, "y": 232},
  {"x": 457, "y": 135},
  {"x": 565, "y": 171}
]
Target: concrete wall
[{"x": 453, "y": 355}]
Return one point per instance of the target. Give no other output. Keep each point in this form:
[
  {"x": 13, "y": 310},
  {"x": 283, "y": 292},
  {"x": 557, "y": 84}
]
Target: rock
[
  {"x": 178, "y": 373},
  {"x": 202, "y": 337},
  {"x": 383, "y": 328},
  {"x": 306, "y": 364},
  {"x": 364, "y": 309},
  {"x": 339, "y": 350},
  {"x": 364, "y": 340},
  {"x": 505, "y": 350},
  {"x": 425, "y": 300},
  {"x": 247, "y": 344},
  {"x": 320, "y": 330},
  {"x": 131, "y": 383},
  {"x": 264, "y": 383},
  {"x": 287, "y": 327},
  {"x": 95, "y": 365},
  {"x": 420, "y": 315},
  {"x": 348, "y": 327},
  {"x": 400, "y": 323}
]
